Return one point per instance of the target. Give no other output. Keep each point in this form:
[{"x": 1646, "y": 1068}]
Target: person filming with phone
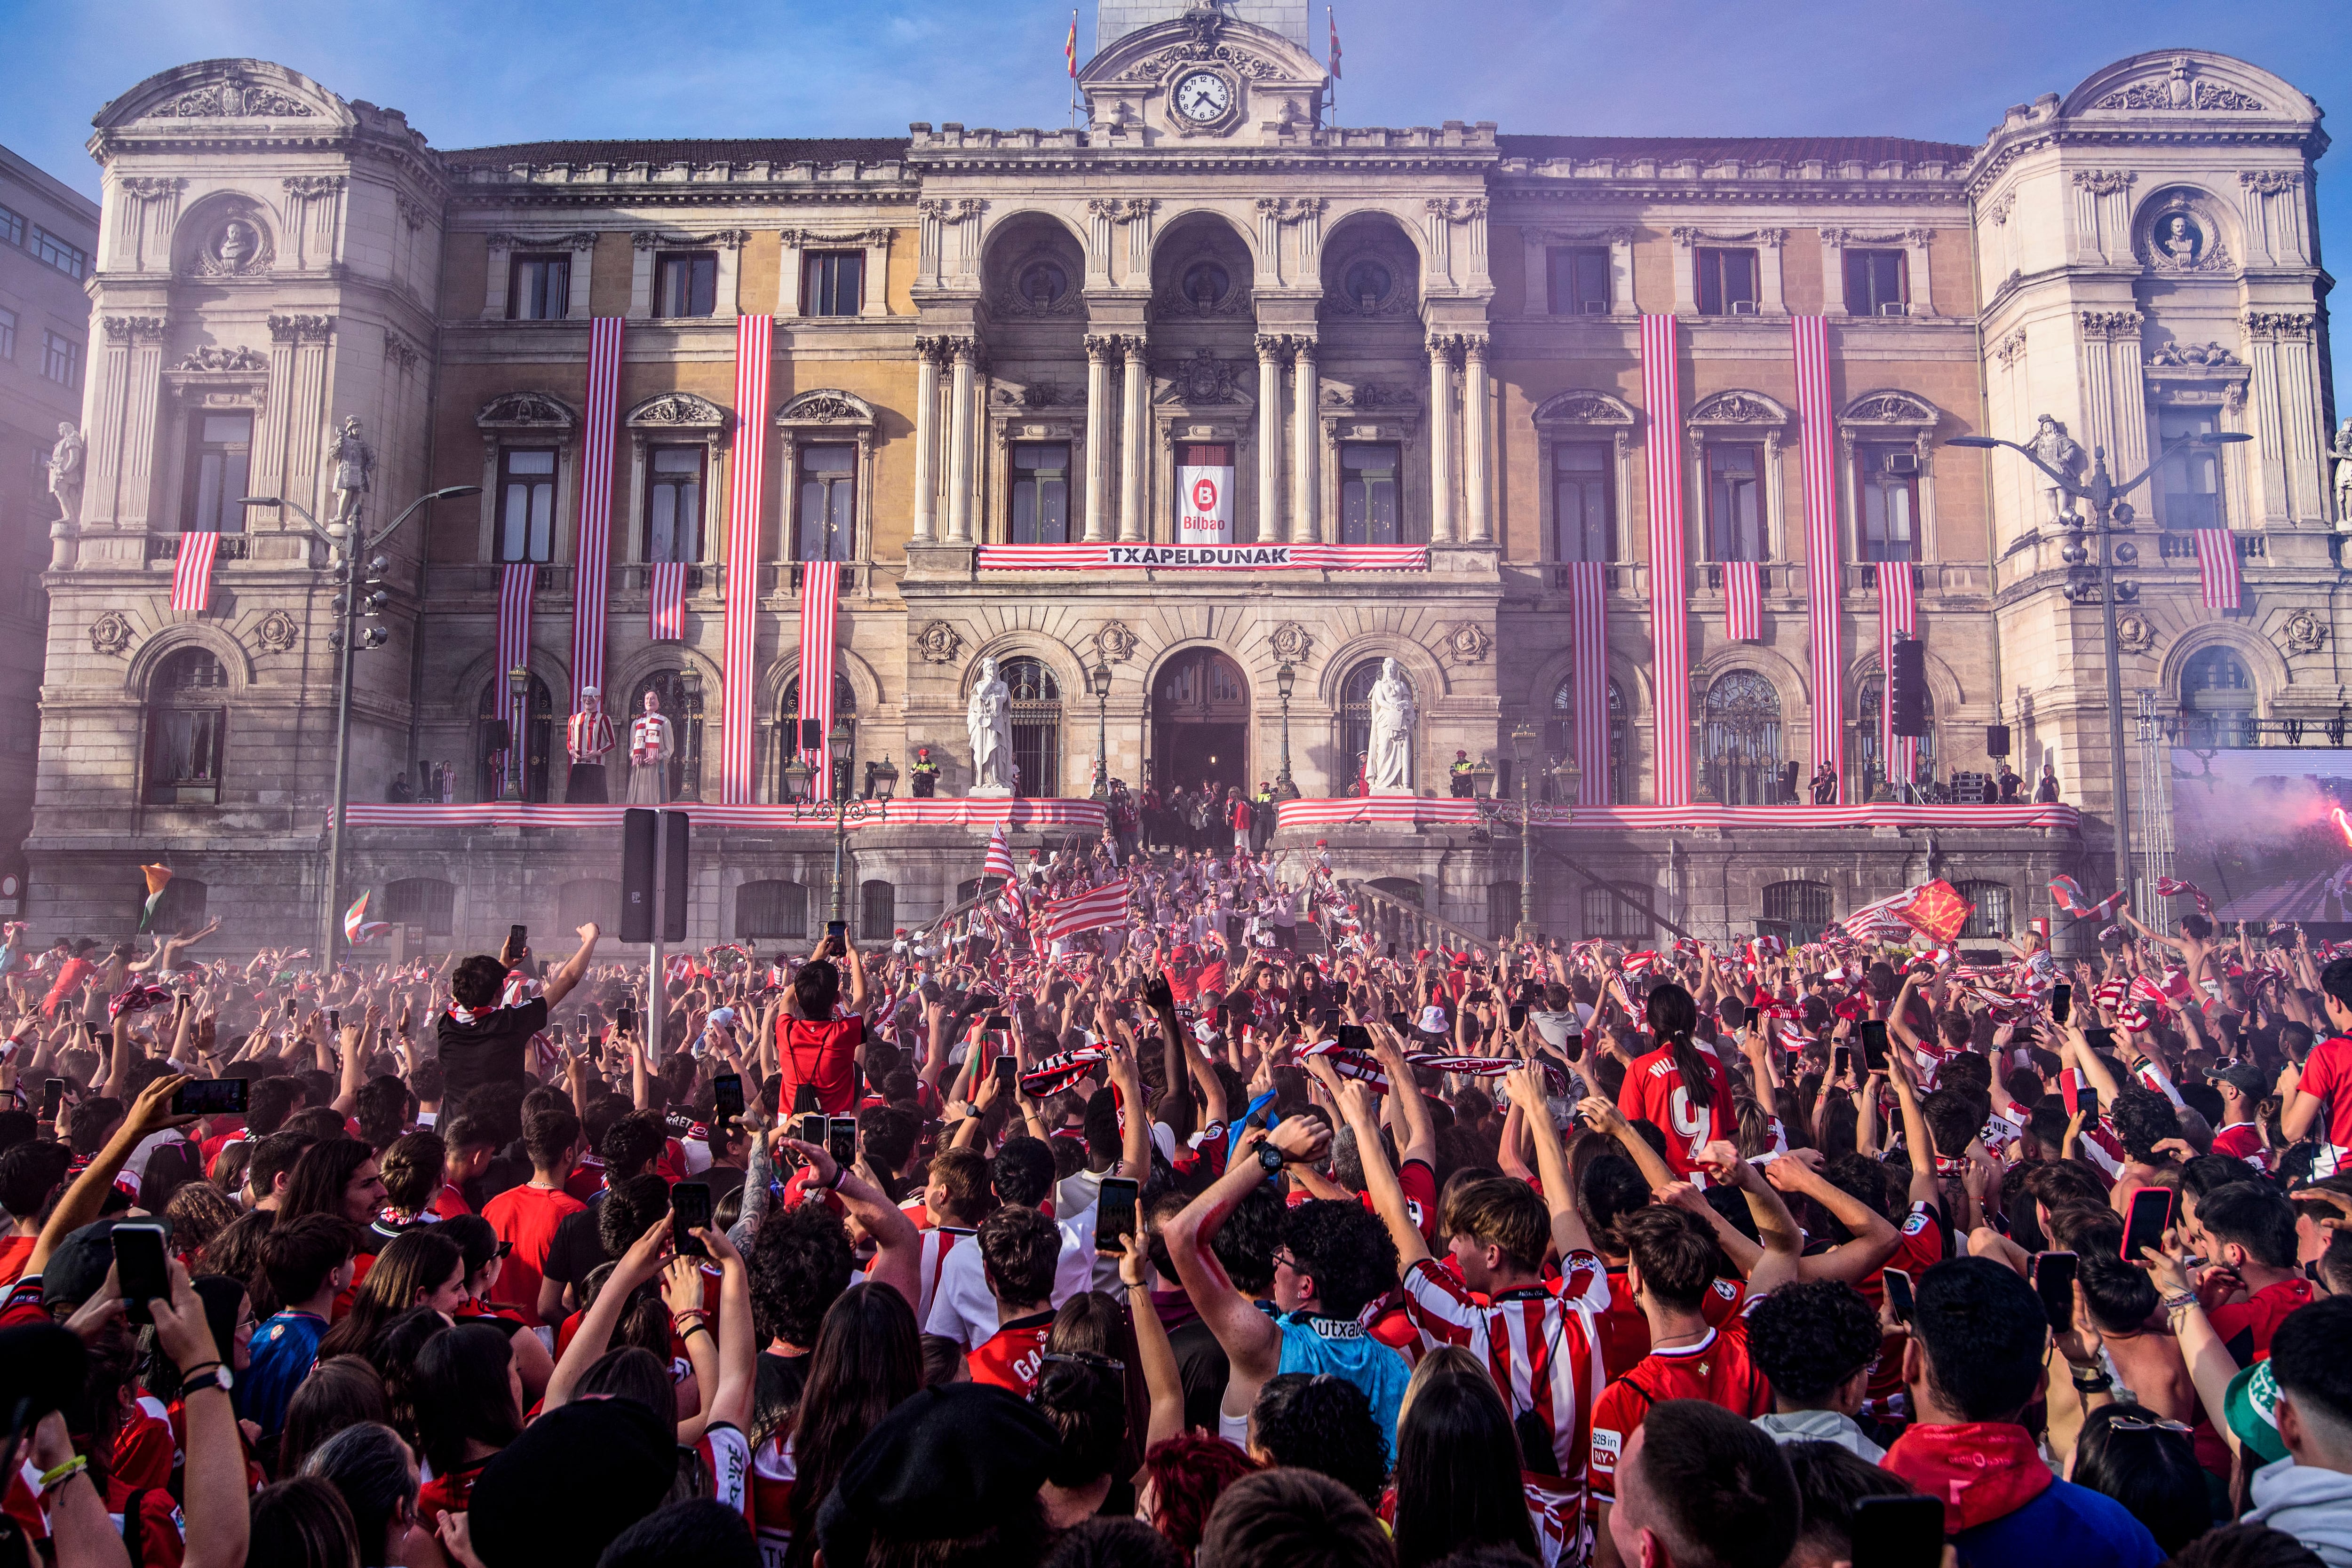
[{"x": 817, "y": 1039}]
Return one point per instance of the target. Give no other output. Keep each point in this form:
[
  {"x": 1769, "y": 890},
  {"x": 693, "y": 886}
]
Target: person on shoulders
[
  {"x": 817, "y": 1046},
  {"x": 483, "y": 1042}
]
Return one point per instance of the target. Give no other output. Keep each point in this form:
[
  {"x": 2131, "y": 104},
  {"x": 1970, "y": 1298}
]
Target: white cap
[{"x": 590, "y": 692}]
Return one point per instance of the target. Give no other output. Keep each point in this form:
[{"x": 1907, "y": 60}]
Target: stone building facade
[{"x": 1423, "y": 335}]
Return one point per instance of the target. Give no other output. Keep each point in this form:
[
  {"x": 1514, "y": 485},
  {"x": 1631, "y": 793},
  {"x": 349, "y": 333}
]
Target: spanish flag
[
  {"x": 158, "y": 877},
  {"x": 1070, "y": 46}
]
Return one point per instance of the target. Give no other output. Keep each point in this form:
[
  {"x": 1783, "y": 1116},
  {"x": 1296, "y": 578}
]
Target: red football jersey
[{"x": 1716, "y": 1369}]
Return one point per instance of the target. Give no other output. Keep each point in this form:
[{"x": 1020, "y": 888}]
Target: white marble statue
[
  {"x": 651, "y": 745},
  {"x": 351, "y": 471},
  {"x": 2344, "y": 473},
  {"x": 65, "y": 463},
  {"x": 1388, "y": 768},
  {"x": 988, "y": 724},
  {"x": 2060, "y": 452}
]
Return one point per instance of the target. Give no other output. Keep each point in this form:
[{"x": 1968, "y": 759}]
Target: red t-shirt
[
  {"x": 444, "y": 1493},
  {"x": 449, "y": 1203},
  {"x": 2245, "y": 1327},
  {"x": 527, "y": 1217},
  {"x": 823, "y": 1054},
  {"x": 1625, "y": 1332},
  {"x": 1716, "y": 1369},
  {"x": 2243, "y": 1141},
  {"x": 16, "y": 1251},
  {"x": 1010, "y": 1357},
  {"x": 2328, "y": 1075},
  {"x": 1655, "y": 1091},
  {"x": 1918, "y": 1248}
]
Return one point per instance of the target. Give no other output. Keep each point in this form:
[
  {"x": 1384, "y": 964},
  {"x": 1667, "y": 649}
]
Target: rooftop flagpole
[
  {"x": 1070, "y": 57},
  {"x": 1334, "y": 21}
]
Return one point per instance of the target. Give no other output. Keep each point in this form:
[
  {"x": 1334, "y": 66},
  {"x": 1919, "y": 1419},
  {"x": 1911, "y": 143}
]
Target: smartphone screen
[
  {"x": 582, "y": 1021},
  {"x": 727, "y": 1095},
  {"x": 1897, "y": 1532},
  {"x": 1841, "y": 1060},
  {"x": 1400, "y": 1023},
  {"x": 2100, "y": 1038},
  {"x": 290, "y": 1013},
  {"x": 1518, "y": 1017},
  {"x": 335, "y": 1017},
  {"x": 2061, "y": 1002},
  {"x": 517, "y": 938},
  {"x": 1874, "y": 1045},
  {"x": 1748, "y": 1021},
  {"x": 2150, "y": 1216},
  {"x": 140, "y": 1266},
  {"x": 1114, "y": 1214},
  {"x": 690, "y": 1206},
  {"x": 997, "y": 1023},
  {"x": 53, "y": 1097},
  {"x": 1008, "y": 1072},
  {"x": 1573, "y": 1048},
  {"x": 2054, "y": 1281},
  {"x": 809, "y": 1127},
  {"x": 211, "y": 1097},
  {"x": 841, "y": 1139},
  {"x": 624, "y": 1019},
  {"x": 1898, "y": 1293},
  {"x": 834, "y": 930}
]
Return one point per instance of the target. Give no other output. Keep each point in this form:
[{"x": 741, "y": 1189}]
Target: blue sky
[{"x": 471, "y": 74}]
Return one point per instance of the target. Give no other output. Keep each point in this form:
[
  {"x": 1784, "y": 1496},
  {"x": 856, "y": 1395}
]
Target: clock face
[{"x": 1202, "y": 96}]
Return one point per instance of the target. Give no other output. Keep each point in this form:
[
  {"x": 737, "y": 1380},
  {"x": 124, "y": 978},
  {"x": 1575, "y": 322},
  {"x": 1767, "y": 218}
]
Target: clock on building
[{"x": 1202, "y": 96}]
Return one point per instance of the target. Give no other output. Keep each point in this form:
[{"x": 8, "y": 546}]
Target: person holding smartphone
[
  {"x": 483, "y": 1042},
  {"x": 817, "y": 1041}
]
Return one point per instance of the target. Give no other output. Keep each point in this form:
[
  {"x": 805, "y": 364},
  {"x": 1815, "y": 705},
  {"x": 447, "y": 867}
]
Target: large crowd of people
[{"x": 1226, "y": 1232}]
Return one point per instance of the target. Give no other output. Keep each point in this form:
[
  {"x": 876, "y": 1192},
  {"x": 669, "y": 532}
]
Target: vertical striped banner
[
  {"x": 1898, "y": 611},
  {"x": 516, "y": 580},
  {"x": 592, "y": 553},
  {"x": 820, "y": 605},
  {"x": 1814, "y": 416},
  {"x": 2217, "y": 568},
  {"x": 1669, "y": 626},
  {"x": 666, "y": 601},
  {"x": 192, "y": 572},
  {"x": 1589, "y": 636},
  {"x": 737, "y": 661},
  {"x": 1743, "y": 602}
]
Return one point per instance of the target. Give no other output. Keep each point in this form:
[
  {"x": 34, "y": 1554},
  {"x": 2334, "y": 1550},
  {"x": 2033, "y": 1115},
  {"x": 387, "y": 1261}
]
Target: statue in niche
[
  {"x": 988, "y": 725},
  {"x": 350, "y": 469},
  {"x": 65, "y": 465},
  {"x": 2061, "y": 453},
  {"x": 1388, "y": 768},
  {"x": 2179, "y": 241},
  {"x": 238, "y": 245},
  {"x": 2344, "y": 472}
]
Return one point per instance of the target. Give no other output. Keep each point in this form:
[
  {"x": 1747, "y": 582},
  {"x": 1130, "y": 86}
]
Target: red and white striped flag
[
  {"x": 739, "y": 660},
  {"x": 2217, "y": 568},
  {"x": 515, "y": 581},
  {"x": 1088, "y": 911},
  {"x": 2069, "y": 895},
  {"x": 820, "y": 608},
  {"x": 1743, "y": 602},
  {"x": 1000, "y": 856},
  {"x": 593, "y": 555},
  {"x": 2174, "y": 887},
  {"x": 1898, "y": 611},
  {"x": 665, "y": 605},
  {"x": 192, "y": 572},
  {"x": 1811, "y": 338},
  {"x": 1669, "y": 604},
  {"x": 1588, "y": 611}
]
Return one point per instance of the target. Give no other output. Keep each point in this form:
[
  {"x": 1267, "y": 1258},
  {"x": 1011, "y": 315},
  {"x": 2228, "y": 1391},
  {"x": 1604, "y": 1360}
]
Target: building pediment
[
  {"x": 1202, "y": 75},
  {"x": 2195, "y": 85},
  {"x": 210, "y": 96}
]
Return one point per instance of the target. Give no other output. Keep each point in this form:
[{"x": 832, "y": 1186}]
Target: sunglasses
[{"x": 2142, "y": 1424}]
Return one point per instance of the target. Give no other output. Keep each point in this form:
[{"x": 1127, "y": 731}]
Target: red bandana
[{"x": 1983, "y": 1470}]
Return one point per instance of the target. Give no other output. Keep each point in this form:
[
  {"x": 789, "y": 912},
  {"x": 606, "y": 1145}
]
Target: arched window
[
  {"x": 681, "y": 703},
  {"x": 1560, "y": 739},
  {"x": 2217, "y": 699},
  {"x": 424, "y": 902},
  {"x": 494, "y": 778},
  {"x": 186, "y": 715},
  {"x": 1739, "y": 748},
  {"x": 771, "y": 909},
  {"x": 1870, "y": 704},
  {"x": 1990, "y": 916},
  {"x": 585, "y": 899},
  {"x": 1796, "y": 911},
  {"x": 1036, "y": 728},
  {"x": 788, "y": 725},
  {"x": 1356, "y": 725},
  {"x": 877, "y": 910}
]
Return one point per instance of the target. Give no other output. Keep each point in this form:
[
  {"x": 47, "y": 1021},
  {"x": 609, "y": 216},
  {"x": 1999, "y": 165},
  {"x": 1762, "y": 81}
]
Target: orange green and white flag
[{"x": 159, "y": 877}]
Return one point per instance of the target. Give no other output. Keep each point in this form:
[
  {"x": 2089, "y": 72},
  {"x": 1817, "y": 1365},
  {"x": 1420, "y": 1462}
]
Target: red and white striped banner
[
  {"x": 2217, "y": 568},
  {"x": 1815, "y": 423},
  {"x": 1088, "y": 911},
  {"x": 1086, "y": 817},
  {"x": 1406, "y": 810},
  {"x": 1588, "y": 634},
  {"x": 1669, "y": 602},
  {"x": 1203, "y": 558},
  {"x": 516, "y": 580},
  {"x": 666, "y": 601},
  {"x": 739, "y": 659},
  {"x": 1743, "y": 602},
  {"x": 592, "y": 556},
  {"x": 820, "y": 606},
  {"x": 1898, "y": 611},
  {"x": 192, "y": 572}
]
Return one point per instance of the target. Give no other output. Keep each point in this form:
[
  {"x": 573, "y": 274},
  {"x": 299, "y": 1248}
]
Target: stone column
[
  {"x": 926, "y": 437},
  {"x": 142, "y": 405},
  {"x": 1306, "y": 489},
  {"x": 1133, "y": 451},
  {"x": 1441, "y": 423},
  {"x": 1269, "y": 438},
  {"x": 959, "y": 442},
  {"x": 1098, "y": 517},
  {"x": 109, "y": 374},
  {"x": 1475, "y": 436}
]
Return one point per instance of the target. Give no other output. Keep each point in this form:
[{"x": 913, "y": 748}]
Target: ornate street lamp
[
  {"x": 837, "y": 743},
  {"x": 689, "y": 726},
  {"x": 1098, "y": 679},
  {"x": 518, "y": 685},
  {"x": 1286, "y": 680},
  {"x": 1523, "y": 748}
]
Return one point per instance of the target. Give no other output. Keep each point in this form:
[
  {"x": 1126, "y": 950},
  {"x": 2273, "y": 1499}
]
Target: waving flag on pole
[
  {"x": 159, "y": 877},
  {"x": 357, "y": 927},
  {"x": 1000, "y": 857},
  {"x": 1070, "y": 46},
  {"x": 1088, "y": 911},
  {"x": 1330, "y": 16}
]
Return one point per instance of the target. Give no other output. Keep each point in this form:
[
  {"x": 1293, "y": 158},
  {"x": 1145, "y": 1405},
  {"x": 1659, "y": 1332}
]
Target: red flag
[{"x": 1335, "y": 41}]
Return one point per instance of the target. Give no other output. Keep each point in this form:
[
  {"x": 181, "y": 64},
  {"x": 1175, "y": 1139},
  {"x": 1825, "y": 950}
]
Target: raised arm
[
  {"x": 1874, "y": 1240},
  {"x": 149, "y": 1114},
  {"x": 1252, "y": 1344},
  {"x": 1354, "y": 1103},
  {"x": 560, "y": 984},
  {"x": 1568, "y": 1231},
  {"x": 898, "y": 1245}
]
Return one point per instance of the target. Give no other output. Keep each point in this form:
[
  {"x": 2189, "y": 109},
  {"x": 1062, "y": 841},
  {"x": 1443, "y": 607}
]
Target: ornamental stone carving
[
  {"x": 938, "y": 643},
  {"x": 232, "y": 98},
  {"x": 1203, "y": 379},
  {"x": 2303, "y": 632},
  {"x": 677, "y": 410},
  {"x": 2270, "y": 182},
  {"x": 2133, "y": 633},
  {"x": 1290, "y": 643},
  {"x": 2178, "y": 90},
  {"x": 1369, "y": 395},
  {"x": 110, "y": 633},
  {"x": 527, "y": 410},
  {"x": 1117, "y": 640},
  {"x": 1468, "y": 641},
  {"x": 277, "y": 632},
  {"x": 302, "y": 329},
  {"x": 2189, "y": 355},
  {"x": 216, "y": 358},
  {"x": 239, "y": 247},
  {"x": 134, "y": 328}
]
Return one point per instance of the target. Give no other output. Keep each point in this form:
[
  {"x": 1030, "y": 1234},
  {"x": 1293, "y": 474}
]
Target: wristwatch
[
  {"x": 219, "y": 1378},
  {"x": 2098, "y": 1382},
  {"x": 1270, "y": 1159}
]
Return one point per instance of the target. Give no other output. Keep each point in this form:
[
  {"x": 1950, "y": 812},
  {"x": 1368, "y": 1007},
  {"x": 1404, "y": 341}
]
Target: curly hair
[
  {"x": 800, "y": 1264},
  {"x": 629, "y": 1210},
  {"x": 1313, "y": 1421},
  {"x": 1809, "y": 1338},
  {"x": 1346, "y": 1250},
  {"x": 2143, "y": 1119}
]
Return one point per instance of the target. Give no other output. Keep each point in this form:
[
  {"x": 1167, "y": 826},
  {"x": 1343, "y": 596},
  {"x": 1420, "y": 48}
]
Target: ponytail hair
[{"x": 1673, "y": 1015}]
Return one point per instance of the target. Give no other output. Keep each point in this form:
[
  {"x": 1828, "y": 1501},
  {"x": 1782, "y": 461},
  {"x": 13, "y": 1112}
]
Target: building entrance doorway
[{"x": 1200, "y": 723}]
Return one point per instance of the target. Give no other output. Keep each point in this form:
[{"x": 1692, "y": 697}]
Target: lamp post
[
  {"x": 518, "y": 687},
  {"x": 348, "y": 608},
  {"x": 1523, "y": 748},
  {"x": 690, "y": 724},
  {"x": 1286, "y": 680},
  {"x": 1098, "y": 678},
  {"x": 2101, "y": 491}
]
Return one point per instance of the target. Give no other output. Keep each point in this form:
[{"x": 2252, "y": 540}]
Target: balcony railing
[
  {"x": 166, "y": 547},
  {"x": 2181, "y": 544}
]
